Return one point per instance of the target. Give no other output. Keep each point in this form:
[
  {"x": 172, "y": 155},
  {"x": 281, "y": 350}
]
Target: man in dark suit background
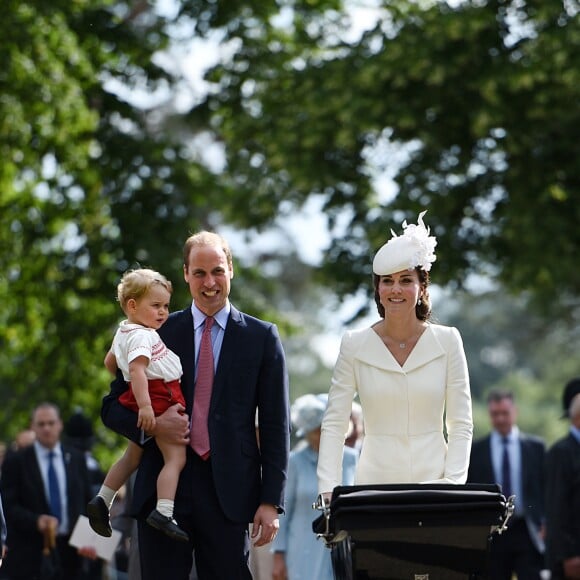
[
  {"x": 24, "y": 488},
  {"x": 563, "y": 493},
  {"x": 239, "y": 483},
  {"x": 515, "y": 460},
  {"x": 2, "y": 532}
]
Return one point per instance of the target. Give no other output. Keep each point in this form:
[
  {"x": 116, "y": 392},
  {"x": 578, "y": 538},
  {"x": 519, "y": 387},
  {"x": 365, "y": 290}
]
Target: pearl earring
[{"x": 419, "y": 302}]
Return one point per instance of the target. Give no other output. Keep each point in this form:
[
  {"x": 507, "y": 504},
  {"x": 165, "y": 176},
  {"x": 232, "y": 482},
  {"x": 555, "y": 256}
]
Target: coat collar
[{"x": 372, "y": 351}]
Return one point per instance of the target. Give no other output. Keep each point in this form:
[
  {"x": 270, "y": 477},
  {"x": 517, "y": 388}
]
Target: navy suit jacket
[
  {"x": 24, "y": 501},
  {"x": 251, "y": 374},
  {"x": 562, "y": 503},
  {"x": 533, "y": 451},
  {"x": 2, "y": 528}
]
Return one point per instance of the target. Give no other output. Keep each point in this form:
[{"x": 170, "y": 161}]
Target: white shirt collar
[
  {"x": 221, "y": 316},
  {"x": 512, "y": 436},
  {"x": 43, "y": 452}
]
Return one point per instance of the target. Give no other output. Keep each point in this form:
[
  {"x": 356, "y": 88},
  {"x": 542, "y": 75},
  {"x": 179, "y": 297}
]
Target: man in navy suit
[
  {"x": 27, "y": 508},
  {"x": 2, "y": 532},
  {"x": 563, "y": 492},
  {"x": 238, "y": 483},
  {"x": 520, "y": 549}
]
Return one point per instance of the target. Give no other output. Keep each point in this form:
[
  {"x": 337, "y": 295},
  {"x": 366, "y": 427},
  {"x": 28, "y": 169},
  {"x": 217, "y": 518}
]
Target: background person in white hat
[
  {"x": 298, "y": 555},
  {"x": 410, "y": 375}
]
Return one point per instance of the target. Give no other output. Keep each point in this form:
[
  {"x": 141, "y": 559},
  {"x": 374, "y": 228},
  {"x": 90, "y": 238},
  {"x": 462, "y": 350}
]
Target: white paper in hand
[{"x": 83, "y": 535}]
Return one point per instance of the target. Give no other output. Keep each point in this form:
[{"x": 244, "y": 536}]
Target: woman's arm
[
  {"x": 336, "y": 419},
  {"x": 458, "y": 416}
]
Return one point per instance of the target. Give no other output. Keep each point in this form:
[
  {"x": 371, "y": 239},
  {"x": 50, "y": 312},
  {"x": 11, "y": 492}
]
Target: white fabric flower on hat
[{"x": 415, "y": 247}]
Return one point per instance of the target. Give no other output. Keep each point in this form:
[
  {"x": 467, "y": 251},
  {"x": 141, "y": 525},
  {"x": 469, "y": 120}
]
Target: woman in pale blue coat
[{"x": 298, "y": 554}]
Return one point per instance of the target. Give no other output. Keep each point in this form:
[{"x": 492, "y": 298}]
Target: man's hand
[
  {"x": 46, "y": 523},
  {"x": 89, "y": 552},
  {"x": 172, "y": 426},
  {"x": 279, "y": 571},
  {"x": 265, "y": 524},
  {"x": 572, "y": 568}
]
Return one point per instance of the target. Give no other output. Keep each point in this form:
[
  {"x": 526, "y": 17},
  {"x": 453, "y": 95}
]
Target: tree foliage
[
  {"x": 89, "y": 187},
  {"x": 471, "y": 109}
]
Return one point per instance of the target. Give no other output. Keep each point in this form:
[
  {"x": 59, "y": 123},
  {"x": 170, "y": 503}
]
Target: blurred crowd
[{"x": 542, "y": 540}]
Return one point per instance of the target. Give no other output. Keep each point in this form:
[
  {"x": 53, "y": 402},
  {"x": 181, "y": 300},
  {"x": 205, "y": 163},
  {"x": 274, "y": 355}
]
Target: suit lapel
[
  {"x": 69, "y": 476},
  {"x": 487, "y": 462},
  {"x": 183, "y": 344},
  {"x": 525, "y": 468},
  {"x": 231, "y": 345},
  {"x": 35, "y": 474}
]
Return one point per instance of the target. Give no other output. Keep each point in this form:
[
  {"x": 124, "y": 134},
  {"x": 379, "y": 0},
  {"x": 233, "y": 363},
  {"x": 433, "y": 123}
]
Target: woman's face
[{"x": 399, "y": 292}]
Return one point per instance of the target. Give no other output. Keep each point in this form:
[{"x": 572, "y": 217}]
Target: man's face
[
  {"x": 503, "y": 415},
  {"x": 208, "y": 275},
  {"x": 47, "y": 425}
]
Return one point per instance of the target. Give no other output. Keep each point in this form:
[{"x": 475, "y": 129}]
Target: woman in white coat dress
[{"x": 411, "y": 377}]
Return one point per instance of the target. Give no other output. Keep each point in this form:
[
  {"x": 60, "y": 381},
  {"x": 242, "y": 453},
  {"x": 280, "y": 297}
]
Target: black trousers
[
  {"x": 513, "y": 552},
  {"x": 221, "y": 546}
]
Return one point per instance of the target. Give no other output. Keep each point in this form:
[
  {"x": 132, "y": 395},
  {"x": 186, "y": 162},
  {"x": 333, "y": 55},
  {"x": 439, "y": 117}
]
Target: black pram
[{"x": 416, "y": 532}]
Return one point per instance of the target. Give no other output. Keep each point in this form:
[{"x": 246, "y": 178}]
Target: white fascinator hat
[
  {"x": 307, "y": 412},
  {"x": 415, "y": 247}
]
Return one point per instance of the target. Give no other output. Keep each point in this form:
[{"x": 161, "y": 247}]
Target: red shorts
[{"x": 163, "y": 395}]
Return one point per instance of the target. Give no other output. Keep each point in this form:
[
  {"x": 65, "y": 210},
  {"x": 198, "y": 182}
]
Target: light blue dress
[{"x": 307, "y": 558}]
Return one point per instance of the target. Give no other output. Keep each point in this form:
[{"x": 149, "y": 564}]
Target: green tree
[
  {"x": 510, "y": 346},
  {"x": 473, "y": 109},
  {"x": 99, "y": 168},
  {"x": 89, "y": 186}
]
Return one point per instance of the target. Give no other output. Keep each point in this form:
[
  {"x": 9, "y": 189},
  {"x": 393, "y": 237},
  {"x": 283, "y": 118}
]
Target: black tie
[
  {"x": 506, "y": 476},
  {"x": 53, "y": 488}
]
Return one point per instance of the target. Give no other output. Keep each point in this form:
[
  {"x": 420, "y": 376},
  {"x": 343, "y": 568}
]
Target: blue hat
[{"x": 307, "y": 412}]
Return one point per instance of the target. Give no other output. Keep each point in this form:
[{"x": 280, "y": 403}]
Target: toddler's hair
[{"x": 136, "y": 283}]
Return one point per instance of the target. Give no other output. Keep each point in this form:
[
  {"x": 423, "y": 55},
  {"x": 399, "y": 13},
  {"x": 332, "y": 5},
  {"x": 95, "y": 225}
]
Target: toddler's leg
[
  {"x": 98, "y": 508},
  {"x": 162, "y": 516}
]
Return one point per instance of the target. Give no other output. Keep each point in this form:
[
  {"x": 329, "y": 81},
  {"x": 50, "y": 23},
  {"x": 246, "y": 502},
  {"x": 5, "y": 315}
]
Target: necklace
[{"x": 402, "y": 345}]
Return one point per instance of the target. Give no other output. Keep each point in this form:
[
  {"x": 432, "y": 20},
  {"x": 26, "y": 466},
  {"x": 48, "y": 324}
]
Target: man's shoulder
[
  {"x": 481, "y": 442},
  {"x": 533, "y": 440},
  {"x": 71, "y": 453},
  {"x": 176, "y": 320},
  {"x": 564, "y": 445},
  {"x": 14, "y": 458},
  {"x": 249, "y": 321}
]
